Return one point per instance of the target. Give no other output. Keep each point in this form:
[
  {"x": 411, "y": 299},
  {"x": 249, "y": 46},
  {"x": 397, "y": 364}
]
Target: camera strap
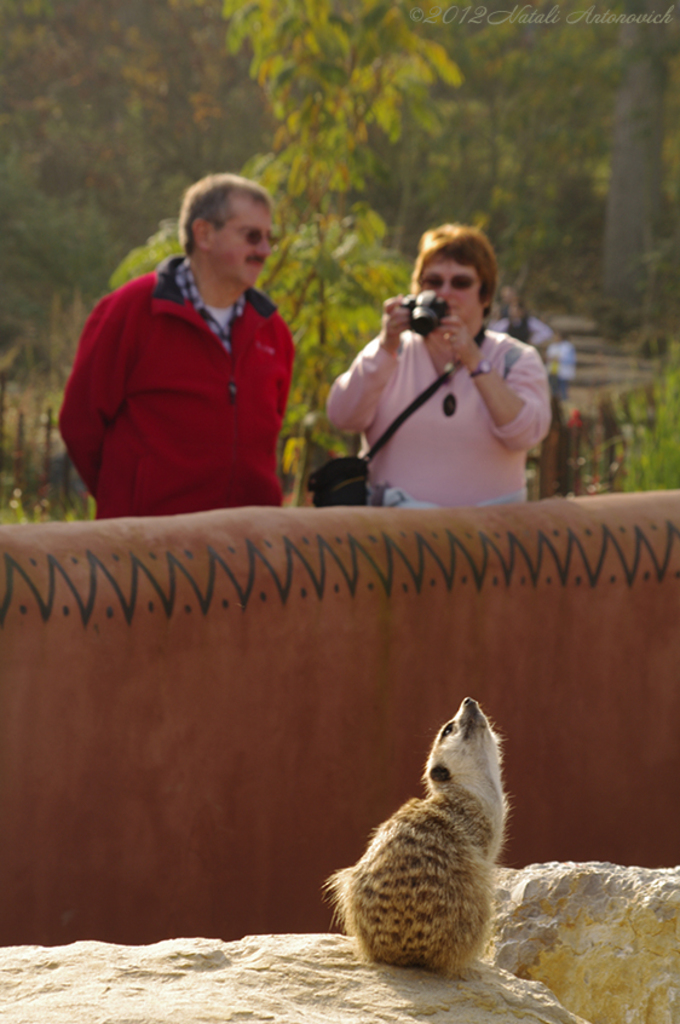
[{"x": 415, "y": 404}]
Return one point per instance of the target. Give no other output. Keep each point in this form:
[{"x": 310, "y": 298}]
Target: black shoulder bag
[{"x": 343, "y": 481}]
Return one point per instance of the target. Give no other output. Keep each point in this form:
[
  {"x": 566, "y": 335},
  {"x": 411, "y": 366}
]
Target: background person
[
  {"x": 477, "y": 453},
  {"x": 519, "y": 324},
  {"x": 561, "y": 363},
  {"x": 181, "y": 378}
]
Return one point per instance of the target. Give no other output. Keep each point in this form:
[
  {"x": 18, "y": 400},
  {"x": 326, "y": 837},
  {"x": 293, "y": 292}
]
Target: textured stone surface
[
  {"x": 605, "y": 939},
  {"x": 283, "y": 978}
]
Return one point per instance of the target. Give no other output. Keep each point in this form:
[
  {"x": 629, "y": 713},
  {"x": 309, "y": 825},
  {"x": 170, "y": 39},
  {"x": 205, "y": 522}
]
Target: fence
[
  {"x": 37, "y": 478},
  {"x": 584, "y": 454}
]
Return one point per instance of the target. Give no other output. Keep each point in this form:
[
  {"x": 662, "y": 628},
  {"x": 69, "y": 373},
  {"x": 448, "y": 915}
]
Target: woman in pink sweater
[{"x": 466, "y": 445}]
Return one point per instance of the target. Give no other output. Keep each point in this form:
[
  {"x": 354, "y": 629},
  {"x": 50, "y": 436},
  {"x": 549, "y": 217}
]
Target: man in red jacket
[{"x": 180, "y": 382}]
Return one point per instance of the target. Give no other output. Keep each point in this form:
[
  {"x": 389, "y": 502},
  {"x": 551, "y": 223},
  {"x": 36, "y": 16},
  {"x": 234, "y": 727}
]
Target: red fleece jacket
[{"x": 159, "y": 418}]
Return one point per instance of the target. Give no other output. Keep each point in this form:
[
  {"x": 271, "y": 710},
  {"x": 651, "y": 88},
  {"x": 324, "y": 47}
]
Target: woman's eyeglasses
[{"x": 459, "y": 283}]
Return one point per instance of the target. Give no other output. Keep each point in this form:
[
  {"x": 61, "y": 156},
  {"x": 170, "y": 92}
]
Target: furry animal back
[{"x": 421, "y": 895}]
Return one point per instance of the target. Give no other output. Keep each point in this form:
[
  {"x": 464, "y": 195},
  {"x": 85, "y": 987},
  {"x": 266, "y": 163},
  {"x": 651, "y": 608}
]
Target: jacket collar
[{"x": 168, "y": 290}]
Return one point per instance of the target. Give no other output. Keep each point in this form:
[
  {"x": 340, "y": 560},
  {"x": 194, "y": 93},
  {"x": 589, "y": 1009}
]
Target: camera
[{"x": 427, "y": 310}]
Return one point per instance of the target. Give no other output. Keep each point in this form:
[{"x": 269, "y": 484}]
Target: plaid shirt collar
[{"x": 187, "y": 285}]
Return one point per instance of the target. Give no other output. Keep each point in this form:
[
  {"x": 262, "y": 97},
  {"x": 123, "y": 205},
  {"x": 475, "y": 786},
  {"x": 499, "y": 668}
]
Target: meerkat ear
[{"x": 440, "y": 773}]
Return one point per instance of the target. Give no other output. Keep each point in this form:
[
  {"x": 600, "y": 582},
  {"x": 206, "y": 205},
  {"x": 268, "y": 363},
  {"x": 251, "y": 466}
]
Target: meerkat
[{"x": 421, "y": 895}]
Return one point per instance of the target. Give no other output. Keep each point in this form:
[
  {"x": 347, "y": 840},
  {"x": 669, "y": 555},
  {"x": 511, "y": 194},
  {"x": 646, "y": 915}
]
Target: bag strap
[{"x": 415, "y": 404}]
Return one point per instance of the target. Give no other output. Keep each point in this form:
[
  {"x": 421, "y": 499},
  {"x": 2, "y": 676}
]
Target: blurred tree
[
  {"x": 331, "y": 73},
  {"x": 634, "y": 200},
  {"x": 114, "y": 110},
  {"x": 521, "y": 149},
  {"x": 49, "y": 247}
]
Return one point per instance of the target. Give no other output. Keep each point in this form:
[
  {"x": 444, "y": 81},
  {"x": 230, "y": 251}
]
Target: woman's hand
[
  {"x": 395, "y": 319},
  {"x": 452, "y": 342}
]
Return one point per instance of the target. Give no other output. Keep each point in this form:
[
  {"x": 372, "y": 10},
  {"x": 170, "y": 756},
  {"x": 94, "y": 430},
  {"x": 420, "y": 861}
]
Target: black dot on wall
[
  {"x": 523, "y": 580},
  {"x": 548, "y": 579},
  {"x": 231, "y": 550},
  {"x": 495, "y": 581},
  {"x": 66, "y": 609},
  {"x": 74, "y": 560},
  {"x": 225, "y": 604},
  {"x": 577, "y": 581},
  {"x": 154, "y": 557},
  {"x": 23, "y": 609},
  {"x": 373, "y": 540},
  {"x": 109, "y": 612},
  {"x": 263, "y": 596},
  {"x": 305, "y": 540},
  {"x": 612, "y": 579},
  {"x": 338, "y": 540},
  {"x": 303, "y": 592},
  {"x": 404, "y": 587},
  {"x": 151, "y": 606},
  {"x": 188, "y": 554},
  {"x": 336, "y": 588},
  {"x": 33, "y": 561},
  {"x": 464, "y": 579},
  {"x": 268, "y": 544},
  {"x": 433, "y": 583},
  {"x": 116, "y": 558},
  {"x": 187, "y": 608},
  {"x": 370, "y": 586},
  {"x": 646, "y": 576}
]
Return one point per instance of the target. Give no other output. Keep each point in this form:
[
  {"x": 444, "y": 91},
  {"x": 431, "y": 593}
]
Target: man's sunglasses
[
  {"x": 460, "y": 282},
  {"x": 254, "y": 236}
]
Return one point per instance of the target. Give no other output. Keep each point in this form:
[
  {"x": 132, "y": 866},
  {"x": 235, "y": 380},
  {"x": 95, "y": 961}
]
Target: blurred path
[{"x": 601, "y": 365}]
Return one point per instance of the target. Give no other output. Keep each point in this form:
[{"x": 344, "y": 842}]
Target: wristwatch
[{"x": 484, "y": 367}]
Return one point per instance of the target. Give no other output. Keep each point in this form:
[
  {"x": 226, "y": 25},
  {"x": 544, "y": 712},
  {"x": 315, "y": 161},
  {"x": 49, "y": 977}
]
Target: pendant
[{"x": 449, "y": 405}]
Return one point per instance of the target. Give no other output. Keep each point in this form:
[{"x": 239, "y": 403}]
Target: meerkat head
[{"x": 466, "y": 752}]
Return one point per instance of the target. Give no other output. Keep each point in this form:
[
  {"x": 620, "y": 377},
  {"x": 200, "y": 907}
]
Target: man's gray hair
[{"x": 209, "y": 199}]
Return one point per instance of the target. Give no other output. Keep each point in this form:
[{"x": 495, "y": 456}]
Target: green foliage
[
  {"x": 165, "y": 242},
  {"x": 653, "y": 429},
  {"x": 331, "y": 75},
  {"x": 50, "y": 247},
  {"x": 329, "y": 289},
  {"x": 521, "y": 149}
]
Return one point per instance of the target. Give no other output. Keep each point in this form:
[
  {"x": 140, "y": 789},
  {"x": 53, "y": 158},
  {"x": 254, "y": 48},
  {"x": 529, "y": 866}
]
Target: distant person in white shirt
[
  {"x": 519, "y": 324},
  {"x": 561, "y": 362}
]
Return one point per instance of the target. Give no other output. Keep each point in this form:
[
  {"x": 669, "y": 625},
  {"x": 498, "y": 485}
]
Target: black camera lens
[{"x": 427, "y": 310}]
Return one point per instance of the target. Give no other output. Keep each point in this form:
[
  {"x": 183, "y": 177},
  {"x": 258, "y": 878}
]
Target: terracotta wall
[{"x": 201, "y": 717}]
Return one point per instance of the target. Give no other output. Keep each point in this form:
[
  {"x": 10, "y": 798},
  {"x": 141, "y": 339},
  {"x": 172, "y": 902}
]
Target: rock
[
  {"x": 605, "y": 939},
  {"x": 281, "y": 978}
]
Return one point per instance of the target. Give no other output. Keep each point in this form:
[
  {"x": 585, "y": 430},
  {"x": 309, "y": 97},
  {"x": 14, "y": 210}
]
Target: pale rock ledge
[
  {"x": 287, "y": 979},
  {"x": 604, "y": 938}
]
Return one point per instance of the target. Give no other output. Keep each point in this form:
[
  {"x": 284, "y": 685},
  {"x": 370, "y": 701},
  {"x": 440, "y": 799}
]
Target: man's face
[{"x": 236, "y": 252}]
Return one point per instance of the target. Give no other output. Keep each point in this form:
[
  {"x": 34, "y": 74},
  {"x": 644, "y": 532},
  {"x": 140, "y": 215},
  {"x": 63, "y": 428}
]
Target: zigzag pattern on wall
[{"x": 450, "y": 554}]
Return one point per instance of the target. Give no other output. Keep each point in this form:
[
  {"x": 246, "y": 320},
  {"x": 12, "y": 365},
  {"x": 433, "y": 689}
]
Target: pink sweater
[{"x": 464, "y": 459}]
